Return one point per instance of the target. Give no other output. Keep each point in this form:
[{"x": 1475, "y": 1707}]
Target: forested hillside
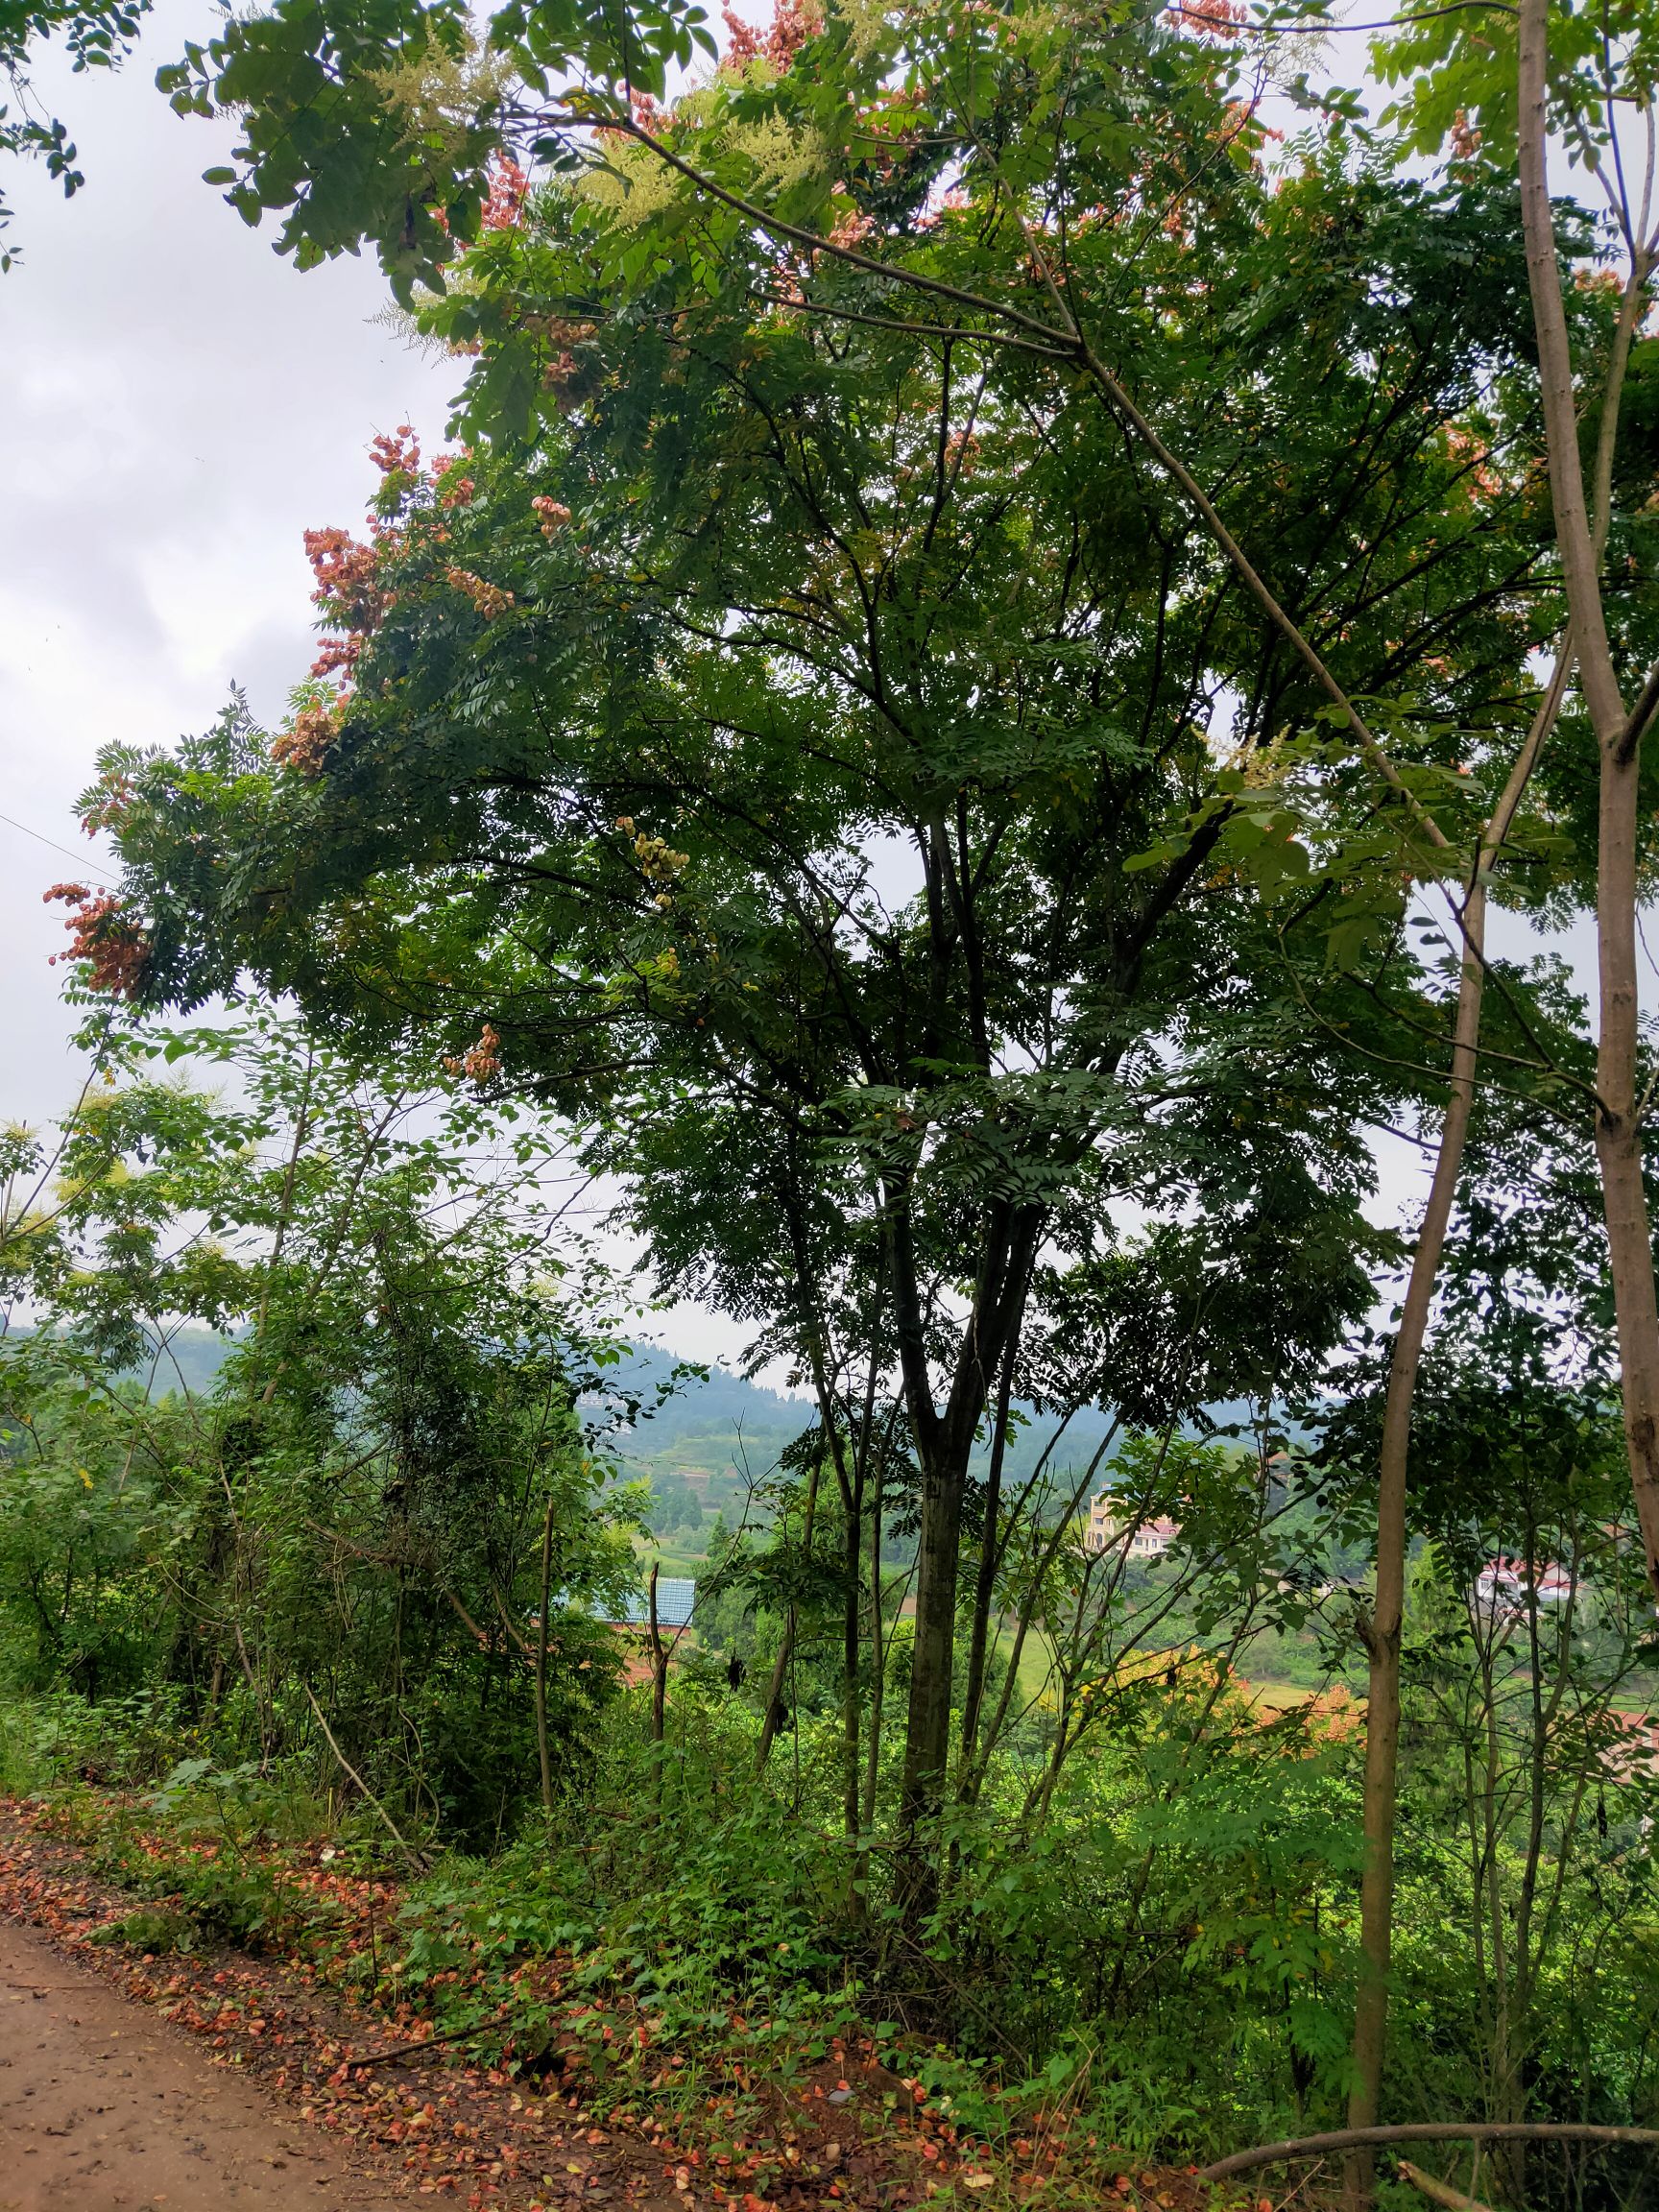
[
  {"x": 1030, "y": 624},
  {"x": 681, "y": 1416}
]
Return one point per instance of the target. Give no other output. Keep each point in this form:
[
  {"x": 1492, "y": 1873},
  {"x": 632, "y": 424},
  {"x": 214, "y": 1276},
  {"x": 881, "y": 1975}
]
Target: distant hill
[
  {"x": 709, "y": 1440},
  {"x": 714, "y": 1438},
  {"x": 715, "y": 1435},
  {"x": 720, "y": 1401},
  {"x": 726, "y": 1428},
  {"x": 191, "y": 1361}
]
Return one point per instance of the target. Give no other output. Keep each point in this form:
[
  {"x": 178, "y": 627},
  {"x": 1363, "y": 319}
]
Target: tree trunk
[
  {"x": 877, "y": 1668},
  {"x": 1617, "y": 1130},
  {"x": 1618, "y": 1146},
  {"x": 985, "y": 1586},
  {"x": 1383, "y": 1630},
  {"x": 928, "y": 1721},
  {"x": 543, "y": 1748},
  {"x": 854, "y": 1569},
  {"x": 944, "y": 1445}
]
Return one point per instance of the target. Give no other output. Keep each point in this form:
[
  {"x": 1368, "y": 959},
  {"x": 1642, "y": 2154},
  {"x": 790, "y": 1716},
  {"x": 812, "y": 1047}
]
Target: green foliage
[
  {"x": 349, "y": 1522},
  {"x": 1146, "y": 1917},
  {"x": 95, "y": 35},
  {"x": 800, "y": 742},
  {"x": 736, "y": 591},
  {"x": 86, "y": 1535}
]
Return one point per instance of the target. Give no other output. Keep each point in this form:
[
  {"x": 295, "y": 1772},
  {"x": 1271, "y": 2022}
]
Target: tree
[
  {"x": 351, "y": 1522},
  {"x": 774, "y": 190},
  {"x": 99, "y": 36},
  {"x": 1526, "y": 1618},
  {"x": 1556, "y": 69},
  {"x": 776, "y": 588}
]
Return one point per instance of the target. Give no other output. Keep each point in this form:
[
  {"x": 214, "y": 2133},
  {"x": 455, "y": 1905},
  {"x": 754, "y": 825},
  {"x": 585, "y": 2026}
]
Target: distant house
[
  {"x": 1503, "y": 1584},
  {"x": 1633, "y": 1754},
  {"x": 1102, "y": 1522},
  {"x": 1109, "y": 1526},
  {"x": 676, "y": 1601},
  {"x": 1153, "y": 1538}
]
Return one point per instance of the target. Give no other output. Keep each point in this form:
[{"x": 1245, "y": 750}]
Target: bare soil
[
  {"x": 104, "y": 2107},
  {"x": 216, "y": 2080}
]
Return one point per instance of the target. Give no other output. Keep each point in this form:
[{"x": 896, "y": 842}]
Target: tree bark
[
  {"x": 944, "y": 1445},
  {"x": 1383, "y": 1630},
  {"x": 878, "y": 1669},
  {"x": 854, "y": 1569},
  {"x": 938, "y": 1556},
  {"x": 985, "y": 1586},
  {"x": 1439, "y": 2191},
  {"x": 1302, "y": 2146},
  {"x": 1618, "y": 1126}
]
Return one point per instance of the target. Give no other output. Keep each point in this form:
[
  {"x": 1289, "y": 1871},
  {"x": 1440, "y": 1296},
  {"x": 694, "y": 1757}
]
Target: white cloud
[{"x": 177, "y": 406}]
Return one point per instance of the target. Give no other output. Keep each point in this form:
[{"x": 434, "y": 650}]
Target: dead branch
[
  {"x": 1428, "y": 2131},
  {"x": 1439, "y": 2191}
]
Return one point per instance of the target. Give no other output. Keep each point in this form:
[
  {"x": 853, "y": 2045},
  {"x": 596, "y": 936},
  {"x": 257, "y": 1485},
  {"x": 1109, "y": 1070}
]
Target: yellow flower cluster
[
  {"x": 488, "y": 599},
  {"x": 656, "y": 859}
]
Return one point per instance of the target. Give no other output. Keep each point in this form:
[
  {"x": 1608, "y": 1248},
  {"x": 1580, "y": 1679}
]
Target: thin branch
[
  {"x": 1426, "y": 2132},
  {"x": 346, "y": 1762},
  {"x": 1637, "y": 720},
  {"x": 1321, "y": 29}
]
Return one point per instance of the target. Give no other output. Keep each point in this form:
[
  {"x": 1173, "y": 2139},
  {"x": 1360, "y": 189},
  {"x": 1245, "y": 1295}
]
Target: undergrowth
[
  {"x": 686, "y": 1965},
  {"x": 678, "y": 1946}
]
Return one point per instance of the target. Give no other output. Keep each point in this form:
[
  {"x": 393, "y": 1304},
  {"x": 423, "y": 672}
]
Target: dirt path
[{"x": 104, "y": 2107}]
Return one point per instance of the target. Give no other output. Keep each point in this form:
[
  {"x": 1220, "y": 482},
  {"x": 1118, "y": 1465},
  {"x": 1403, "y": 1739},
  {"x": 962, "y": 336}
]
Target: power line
[{"x": 41, "y": 839}]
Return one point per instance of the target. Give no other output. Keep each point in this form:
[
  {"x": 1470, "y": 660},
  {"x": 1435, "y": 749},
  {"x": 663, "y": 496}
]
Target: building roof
[
  {"x": 676, "y": 1598},
  {"x": 1505, "y": 1569}
]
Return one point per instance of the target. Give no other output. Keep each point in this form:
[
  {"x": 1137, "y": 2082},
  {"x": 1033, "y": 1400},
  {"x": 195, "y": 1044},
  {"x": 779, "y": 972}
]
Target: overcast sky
[{"x": 177, "y": 406}]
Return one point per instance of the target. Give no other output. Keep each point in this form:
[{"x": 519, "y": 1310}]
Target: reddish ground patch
[{"x": 850, "y": 2138}]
